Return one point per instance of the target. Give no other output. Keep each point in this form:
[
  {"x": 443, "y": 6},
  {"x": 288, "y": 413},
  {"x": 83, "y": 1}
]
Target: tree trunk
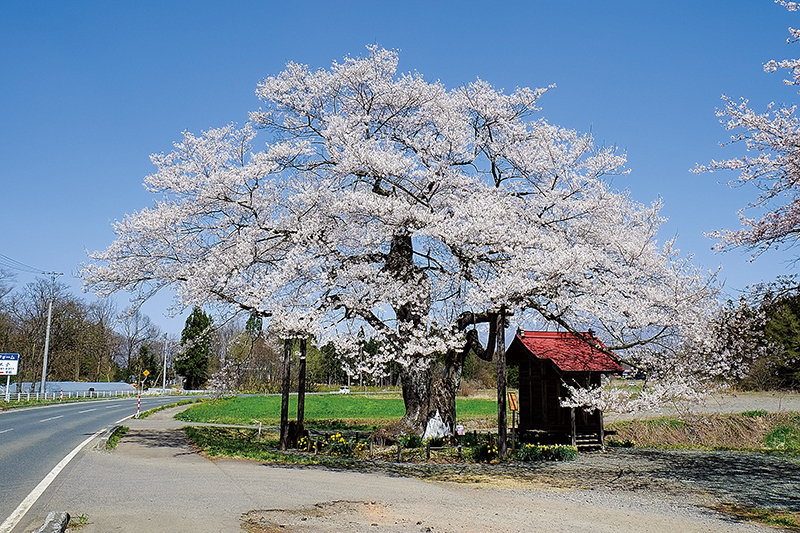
[{"x": 426, "y": 392}]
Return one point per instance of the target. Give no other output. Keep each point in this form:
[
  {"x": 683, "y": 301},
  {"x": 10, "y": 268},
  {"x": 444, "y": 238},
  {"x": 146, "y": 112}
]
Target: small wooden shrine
[{"x": 548, "y": 361}]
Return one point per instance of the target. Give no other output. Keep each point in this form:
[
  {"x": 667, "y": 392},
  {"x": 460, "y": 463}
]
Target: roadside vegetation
[
  {"x": 784, "y": 520},
  {"x": 145, "y": 414}
]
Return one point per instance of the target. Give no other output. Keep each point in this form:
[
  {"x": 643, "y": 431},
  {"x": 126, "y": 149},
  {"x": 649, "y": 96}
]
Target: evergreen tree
[
  {"x": 193, "y": 363},
  {"x": 783, "y": 328}
]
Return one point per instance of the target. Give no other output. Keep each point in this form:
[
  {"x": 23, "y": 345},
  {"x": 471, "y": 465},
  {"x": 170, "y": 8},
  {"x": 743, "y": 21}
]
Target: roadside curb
[{"x": 102, "y": 440}]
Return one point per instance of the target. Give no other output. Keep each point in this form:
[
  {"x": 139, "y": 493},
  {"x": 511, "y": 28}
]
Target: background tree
[
  {"x": 136, "y": 329},
  {"x": 194, "y": 360},
  {"x": 84, "y": 345}
]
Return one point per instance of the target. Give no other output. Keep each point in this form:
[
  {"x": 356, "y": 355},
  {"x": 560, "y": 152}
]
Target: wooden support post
[
  {"x": 428, "y": 450},
  {"x": 513, "y": 429},
  {"x": 287, "y": 363},
  {"x": 572, "y": 426},
  {"x": 602, "y": 430},
  {"x": 502, "y": 417},
  {"x": 301, "y": 392}
]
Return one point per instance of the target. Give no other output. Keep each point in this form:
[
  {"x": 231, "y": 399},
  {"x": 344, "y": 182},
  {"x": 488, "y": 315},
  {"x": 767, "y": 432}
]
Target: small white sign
[{"x": 9, "y": 363}]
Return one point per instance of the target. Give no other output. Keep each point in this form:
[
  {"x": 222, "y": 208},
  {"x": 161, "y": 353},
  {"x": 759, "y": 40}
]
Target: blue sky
[{"x": 88, "y": 90}]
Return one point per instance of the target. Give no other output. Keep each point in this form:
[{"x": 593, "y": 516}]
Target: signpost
[{"x": 9, "y": 365}]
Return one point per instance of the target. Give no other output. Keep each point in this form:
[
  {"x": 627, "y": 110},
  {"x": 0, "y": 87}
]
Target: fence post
[
  {"x": 428, "y": 450},
  {"x": 399, "y": 451}
]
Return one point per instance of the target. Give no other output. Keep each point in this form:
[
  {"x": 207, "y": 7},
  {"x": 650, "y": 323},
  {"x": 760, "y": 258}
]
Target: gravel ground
[
  {"x": 155, "y": 482},
  {"x": 616, "y": 485}
]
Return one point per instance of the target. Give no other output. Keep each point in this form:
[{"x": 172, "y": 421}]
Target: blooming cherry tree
[
  {"x": 772, "y": 165},
  {"x": 386, "y": 204}
]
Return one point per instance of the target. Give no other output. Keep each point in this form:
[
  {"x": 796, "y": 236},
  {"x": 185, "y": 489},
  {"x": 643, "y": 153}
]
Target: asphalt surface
[
  {"x": 34, "y": 440},
  {"x": 154, "y": 482}
]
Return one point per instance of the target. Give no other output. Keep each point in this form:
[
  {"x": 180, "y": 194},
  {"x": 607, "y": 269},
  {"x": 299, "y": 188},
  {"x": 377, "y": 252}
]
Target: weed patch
[
  {"x": 784, "y": 439},
  {"x": 77, "y": 523},
  {"x": 115, "y": 437}
]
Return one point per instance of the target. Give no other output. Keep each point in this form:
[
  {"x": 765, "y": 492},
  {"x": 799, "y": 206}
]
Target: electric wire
[{"x": 13, "y": 264}]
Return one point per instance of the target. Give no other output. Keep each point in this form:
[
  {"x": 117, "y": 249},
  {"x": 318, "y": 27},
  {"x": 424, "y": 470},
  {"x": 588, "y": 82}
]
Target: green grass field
[{"x": 324, "y": 410}]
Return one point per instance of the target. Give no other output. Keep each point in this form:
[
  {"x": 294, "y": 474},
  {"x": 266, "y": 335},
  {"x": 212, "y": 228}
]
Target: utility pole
[
  {"x": 164, "y": 381},
  {"x": 53, "y": 276}
]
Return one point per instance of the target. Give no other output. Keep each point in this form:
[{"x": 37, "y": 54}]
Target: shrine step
[{"x": 588, "y": 441}]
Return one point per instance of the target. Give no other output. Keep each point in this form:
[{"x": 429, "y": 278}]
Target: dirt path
[{"x": 727, "y": 402}]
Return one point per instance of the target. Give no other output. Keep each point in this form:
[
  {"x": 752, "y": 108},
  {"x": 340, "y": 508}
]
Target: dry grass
[{"x": 744, "y": 431}]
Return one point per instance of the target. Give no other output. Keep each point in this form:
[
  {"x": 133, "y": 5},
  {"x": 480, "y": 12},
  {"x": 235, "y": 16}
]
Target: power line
[{"x": 13, "y": 264}]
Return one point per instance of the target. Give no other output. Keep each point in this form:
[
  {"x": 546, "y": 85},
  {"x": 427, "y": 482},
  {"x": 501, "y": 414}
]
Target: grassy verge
[
  {"x": 748, "y": 431},
  {"x": 145, "y": 414}
]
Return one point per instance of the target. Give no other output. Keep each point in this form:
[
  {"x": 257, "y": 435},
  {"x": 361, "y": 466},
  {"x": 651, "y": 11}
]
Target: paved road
[{"x": 34, "y": 440}]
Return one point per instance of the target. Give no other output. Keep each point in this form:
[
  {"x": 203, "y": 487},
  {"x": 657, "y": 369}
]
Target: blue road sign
[{"x": 9, "y": 363}]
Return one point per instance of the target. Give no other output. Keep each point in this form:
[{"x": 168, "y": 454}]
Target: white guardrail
[{"x": 66, "y": 395}]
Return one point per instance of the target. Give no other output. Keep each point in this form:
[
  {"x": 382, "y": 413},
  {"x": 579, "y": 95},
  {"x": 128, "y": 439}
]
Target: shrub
[
  {"x": 435, "y": 442},
  {"x": 483, "y": 453},
  {"x": 537, "y": 452},
  {"x": 411, "y": 441},
  {"x": 338, "y": 445},
  {"x": 469, "y": 439},
  {"x": 754, "y": 414}
]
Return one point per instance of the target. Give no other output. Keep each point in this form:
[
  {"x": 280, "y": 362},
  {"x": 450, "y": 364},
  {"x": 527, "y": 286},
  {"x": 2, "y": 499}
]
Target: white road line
[
  {"x": 28, "y": 502},
  {"x": 7, "y": 430},
  {"x": 86, "y": 411},
  {"x": 51, "y": 418}
]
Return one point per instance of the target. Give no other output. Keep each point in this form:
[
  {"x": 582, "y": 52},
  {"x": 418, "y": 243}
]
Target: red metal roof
[{"x": 567, "y": 352}]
